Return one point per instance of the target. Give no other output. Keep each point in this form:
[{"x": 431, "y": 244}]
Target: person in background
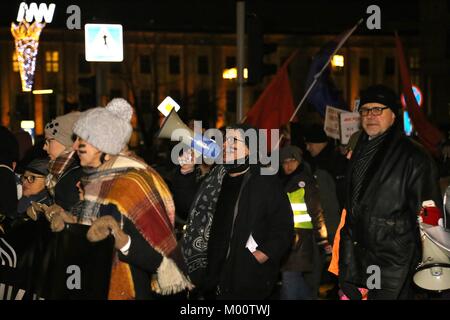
[
  {"x": 64, "y": 167},
  {"x": 34, "y": 190},
  {"x": 325, "y": 157},
  {"x": 301, "y": 272}
]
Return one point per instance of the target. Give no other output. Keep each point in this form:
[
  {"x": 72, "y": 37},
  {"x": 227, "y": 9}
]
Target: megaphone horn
[
  {"x": 433, "y": 273},
  {"x": 201, "y": 145}
]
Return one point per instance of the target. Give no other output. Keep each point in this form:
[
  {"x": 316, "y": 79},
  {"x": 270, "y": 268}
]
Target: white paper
[{"x": 251, "y": 244}]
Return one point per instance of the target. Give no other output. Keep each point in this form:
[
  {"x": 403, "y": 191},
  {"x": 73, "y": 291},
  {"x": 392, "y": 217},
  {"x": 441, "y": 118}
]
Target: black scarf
[{"x": 362, "y": 161}]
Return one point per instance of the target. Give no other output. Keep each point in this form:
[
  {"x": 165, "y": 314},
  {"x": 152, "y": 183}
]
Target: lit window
[
  {"x": 15, "y": 62},
  {"x": 52, "y": 61}
]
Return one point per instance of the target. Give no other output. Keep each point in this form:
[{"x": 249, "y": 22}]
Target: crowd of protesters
[{"x": 226, "y": 231}]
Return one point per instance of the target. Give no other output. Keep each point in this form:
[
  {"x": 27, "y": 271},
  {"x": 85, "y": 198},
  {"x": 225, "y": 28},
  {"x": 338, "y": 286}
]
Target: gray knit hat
[
  {"x": 107, "y": 129},
  {"x": 60, "y": 128}
]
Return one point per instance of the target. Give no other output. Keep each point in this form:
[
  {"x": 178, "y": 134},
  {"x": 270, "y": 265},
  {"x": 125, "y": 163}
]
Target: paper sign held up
[{"x": 340, "y": 124}]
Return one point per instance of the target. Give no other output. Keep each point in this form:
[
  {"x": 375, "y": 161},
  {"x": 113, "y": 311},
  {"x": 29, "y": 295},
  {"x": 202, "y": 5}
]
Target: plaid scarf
[
  {"x": 58, "y": 167},
  {"x": 141, "y": 195}
]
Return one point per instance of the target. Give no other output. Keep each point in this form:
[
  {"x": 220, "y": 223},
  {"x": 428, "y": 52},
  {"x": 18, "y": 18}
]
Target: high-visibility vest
[{"x": 302, "y": 219}]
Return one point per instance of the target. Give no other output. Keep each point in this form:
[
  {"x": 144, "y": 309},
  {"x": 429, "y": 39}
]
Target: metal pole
[{"x": 240, "y": 32}]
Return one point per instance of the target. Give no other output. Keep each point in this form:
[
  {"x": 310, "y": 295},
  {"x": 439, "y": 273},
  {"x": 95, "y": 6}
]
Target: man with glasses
[{"x": 389, "y": 180}]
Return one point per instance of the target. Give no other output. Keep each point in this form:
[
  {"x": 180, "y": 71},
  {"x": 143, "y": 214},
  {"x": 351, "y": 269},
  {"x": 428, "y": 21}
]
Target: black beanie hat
[
  {"x": 380, "y": 94},
  {"x": 315, "y": 134}
]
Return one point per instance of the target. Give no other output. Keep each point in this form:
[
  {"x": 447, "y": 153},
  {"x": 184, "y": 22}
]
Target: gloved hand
[
  {"x": 35, "y": 210},
  {"x": 103, "y": 227},
  {"x": 58, "y": 217}
]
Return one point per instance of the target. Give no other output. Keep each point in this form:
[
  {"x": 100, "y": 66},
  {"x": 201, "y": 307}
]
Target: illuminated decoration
[
  {"x": 417, "y": 94},
  {"x": 45, "y": 91},
  {"x": 167, "y": 105},
  {"x": 26, "y": 38},
  {"x": 337, "y": 61},
  {"x": 231, "y": 73}
]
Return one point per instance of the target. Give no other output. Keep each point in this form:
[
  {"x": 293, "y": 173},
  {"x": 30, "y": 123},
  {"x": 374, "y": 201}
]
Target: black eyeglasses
[
  {"x": 29, "y": 178},
  {"x": 375, "y": 111}
]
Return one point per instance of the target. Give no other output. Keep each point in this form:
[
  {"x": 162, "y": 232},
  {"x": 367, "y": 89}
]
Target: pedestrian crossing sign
[{"x": 103, "y": 42}]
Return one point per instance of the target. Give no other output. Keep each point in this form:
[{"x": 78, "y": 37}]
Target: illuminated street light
[
  {"x": 231, "y": 73},
  {"x": 337, "y": 61},
  {"x": 45, "y": 91}
]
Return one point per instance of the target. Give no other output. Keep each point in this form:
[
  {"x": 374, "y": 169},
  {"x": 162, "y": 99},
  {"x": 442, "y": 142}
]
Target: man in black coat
[
  {"x": 239, "y": 228},
  {"x": 388, "y": 180}
]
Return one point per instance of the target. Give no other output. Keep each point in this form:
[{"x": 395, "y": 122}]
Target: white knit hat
[{"x": 107, "y": 129}]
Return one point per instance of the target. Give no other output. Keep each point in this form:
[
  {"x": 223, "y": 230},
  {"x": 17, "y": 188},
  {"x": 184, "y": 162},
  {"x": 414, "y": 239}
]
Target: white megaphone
[
  {"x": 200, "y": 144},
  {"x": 433, "y": 273}
]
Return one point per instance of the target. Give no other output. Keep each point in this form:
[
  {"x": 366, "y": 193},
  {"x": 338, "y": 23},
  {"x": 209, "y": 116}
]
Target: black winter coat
[
  {"x": 265, "y": 213},
  {"x": 382, "y": 229}
]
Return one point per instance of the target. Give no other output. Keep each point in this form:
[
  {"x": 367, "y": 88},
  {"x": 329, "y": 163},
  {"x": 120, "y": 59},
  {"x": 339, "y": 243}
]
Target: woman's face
[
  {"x": 53, "y": 147},
  {"x": 88, "y": 154},
  {"x": 32, "y": 183}
]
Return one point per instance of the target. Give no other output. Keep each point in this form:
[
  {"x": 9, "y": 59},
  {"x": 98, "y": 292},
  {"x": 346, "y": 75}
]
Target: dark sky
[{"x": 217, "y": 16}]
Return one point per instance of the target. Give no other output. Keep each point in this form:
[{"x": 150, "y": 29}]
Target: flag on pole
[
  {"x": 275, "y": 105},
  {"x": 316, "y": 76},
  {"x": 428, "y": 135},
  {"x": 324, "y": 93}
]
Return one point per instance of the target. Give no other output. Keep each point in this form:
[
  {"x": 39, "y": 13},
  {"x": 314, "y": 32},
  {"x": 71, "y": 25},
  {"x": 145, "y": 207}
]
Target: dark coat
[
  {"x": 333, "y": 162},
  {"x": 142, "y": 258},
  {"x": 301, "y": 256},
  {"x": 382, "y": 229},
  {"x": 265, "y": 213},
  {"x": 66, "y": 192},
  {"x": 8, "y": 192}
]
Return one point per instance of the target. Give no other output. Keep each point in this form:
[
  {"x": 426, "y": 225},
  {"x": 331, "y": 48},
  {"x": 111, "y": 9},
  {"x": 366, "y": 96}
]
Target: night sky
[{"x": 219, "y": 16}]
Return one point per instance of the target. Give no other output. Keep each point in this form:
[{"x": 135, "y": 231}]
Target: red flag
[
  {"x": 429, "y": 136},
  {"x": 275, "y": 105}
]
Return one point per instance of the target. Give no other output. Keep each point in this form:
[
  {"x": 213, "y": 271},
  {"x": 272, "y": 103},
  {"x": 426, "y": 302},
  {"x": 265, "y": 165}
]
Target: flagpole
[{"x": 317, "y": 76}]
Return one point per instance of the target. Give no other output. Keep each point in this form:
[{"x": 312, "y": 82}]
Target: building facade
[{"x": 186, "y": 66}]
